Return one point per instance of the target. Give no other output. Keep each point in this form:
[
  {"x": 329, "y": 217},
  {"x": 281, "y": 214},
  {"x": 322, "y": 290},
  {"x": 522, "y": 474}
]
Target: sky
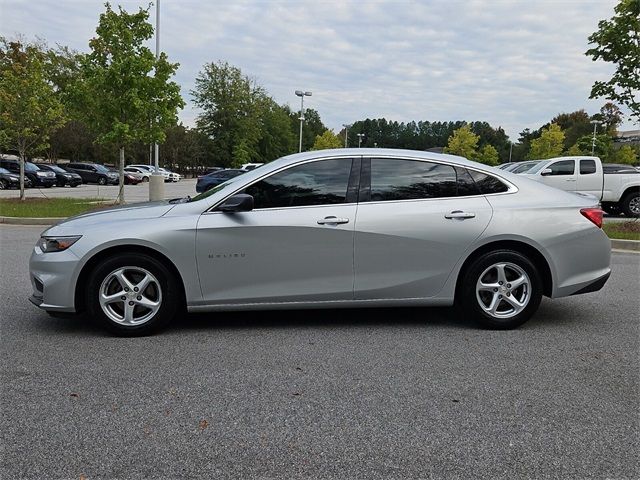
[{"x": 512, "y": 63}]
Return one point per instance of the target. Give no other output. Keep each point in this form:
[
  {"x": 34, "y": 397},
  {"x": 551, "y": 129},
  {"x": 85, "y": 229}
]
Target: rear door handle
[
  {"x": 570, "y": 180},
  {"x": 460, "y": 214},
  {"x": 331, "y": 220}
]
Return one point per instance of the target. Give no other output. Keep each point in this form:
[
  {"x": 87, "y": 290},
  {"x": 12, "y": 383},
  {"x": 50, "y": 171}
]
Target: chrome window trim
[{"x": 511, "y": 188}]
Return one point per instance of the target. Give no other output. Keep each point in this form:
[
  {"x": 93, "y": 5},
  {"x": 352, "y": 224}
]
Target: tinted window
[
  {"x": 4, "y": 170},
  {"x": 466, "y": 184},
  {"x": 587, "y": 167},
  {"x": 564, "y": 167},
  {"x": 487, "y": 183},
  {"x": 410, "y": 179},
  {"x": 318, "y": 183}
]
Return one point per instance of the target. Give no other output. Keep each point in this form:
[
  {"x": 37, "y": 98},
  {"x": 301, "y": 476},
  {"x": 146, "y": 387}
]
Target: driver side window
[
  {"x": 323, "y": 182},
  {"x": 564, "y": 167}
]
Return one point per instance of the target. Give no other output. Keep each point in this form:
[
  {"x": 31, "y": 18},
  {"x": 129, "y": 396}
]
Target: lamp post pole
[
  {"x": 593, "y": 140},
  {"x": 346, "y": 134},
  {"x": 360, "y": 135},
  {"x": 156, "y": 180},
  {"x": 301, "y": 94}
]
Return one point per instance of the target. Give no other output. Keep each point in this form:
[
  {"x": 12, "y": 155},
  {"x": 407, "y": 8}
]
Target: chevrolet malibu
[{"x": 326, "y": 229}]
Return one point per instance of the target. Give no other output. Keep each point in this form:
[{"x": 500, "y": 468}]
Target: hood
[{"x": 131, "y": 212}]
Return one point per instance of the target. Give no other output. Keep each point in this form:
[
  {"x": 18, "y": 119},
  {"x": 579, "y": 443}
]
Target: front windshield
[
  {"x": 56, "y": 168},
  {"x": 213, "y": 190},
  {"x": 524, "y": 168},
  {"x": 4, "y": 170},
  {"x": 101, "y": 168},
  {"x": 30, "y": 167},
  {"x": 538, "y": 167}
]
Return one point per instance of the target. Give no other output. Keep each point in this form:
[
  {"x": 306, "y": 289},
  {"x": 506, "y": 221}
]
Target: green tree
[
  {"x": 625, "y": 154},
  {"x": 463, "y": 142},
  {"x": 29, "y": 108},
  {"x": 617, "y": 41},
  {"x": 488, "y": 155},
  {"x": 549, "y": 144},
  {"x": 276, "y": 137},
  {"x": 312, "y": 127},
  {"x": 327, "y": 140},
  {"x": 574, "y": 150},
  {"x": 125, "y": 92},
  {"x": 603, "y": 147}
]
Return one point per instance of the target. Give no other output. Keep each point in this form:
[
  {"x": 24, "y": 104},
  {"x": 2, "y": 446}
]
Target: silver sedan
[{"x": 332, "y": 228}]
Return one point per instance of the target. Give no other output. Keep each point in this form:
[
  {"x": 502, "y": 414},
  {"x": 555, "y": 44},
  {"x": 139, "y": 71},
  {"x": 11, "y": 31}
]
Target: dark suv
[
  {"x": 62, "y": 176},
  {"x": 93, "y": 173},
  {"x": 37, "y": 177}
]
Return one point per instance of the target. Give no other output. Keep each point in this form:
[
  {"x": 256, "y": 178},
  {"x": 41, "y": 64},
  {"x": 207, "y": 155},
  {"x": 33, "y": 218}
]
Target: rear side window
[
  {"x": 466, "y": 184},
  {"x": 564, "y": 167},
  {"x": 487, "y": 183},
  {"x": 323, "y": 182},
  {"x": 587, "y": 167},
  {"x": 393, "y": 179}
]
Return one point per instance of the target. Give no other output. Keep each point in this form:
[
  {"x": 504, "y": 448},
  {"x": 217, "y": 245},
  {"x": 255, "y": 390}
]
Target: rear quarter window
[{"x": 488, "y": 183}]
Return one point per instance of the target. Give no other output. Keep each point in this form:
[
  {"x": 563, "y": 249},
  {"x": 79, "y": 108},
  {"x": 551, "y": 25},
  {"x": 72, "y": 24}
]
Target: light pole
[
  {"x": 510, "y": 150},
  {"x": 360, "y": 135},
  {"x": 301, "y": 94},
  {"x": 156, "y": 181},
  {"x": 346, "y": 134},
  {"x": 593, "y": 140}
]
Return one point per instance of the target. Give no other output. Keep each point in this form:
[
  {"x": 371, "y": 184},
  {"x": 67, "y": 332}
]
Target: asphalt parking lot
[{"x": 395, "y": 393}]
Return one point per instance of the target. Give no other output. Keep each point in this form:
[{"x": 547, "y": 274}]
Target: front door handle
[
  {"x": 570, "y": 179},
  {"x": 331, "y": 220},
  {"x": 460, "y": 214}
]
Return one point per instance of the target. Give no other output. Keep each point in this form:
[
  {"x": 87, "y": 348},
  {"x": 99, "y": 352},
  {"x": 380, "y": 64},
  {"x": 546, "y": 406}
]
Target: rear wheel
[
  {"x": 630, "y": 204},
  {"x": 132, "y": 295},
  {"x": 145, "y": 179},
  {"x": 500, "y": 289}
]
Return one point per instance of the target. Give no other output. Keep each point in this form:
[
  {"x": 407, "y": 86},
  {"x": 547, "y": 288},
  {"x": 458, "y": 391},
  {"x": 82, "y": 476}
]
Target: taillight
[{"x": 593, "y": 214}]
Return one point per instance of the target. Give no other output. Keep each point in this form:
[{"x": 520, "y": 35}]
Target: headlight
[
  {"x": 56, "y": 244},
  {"x": 41, "y": 174}
]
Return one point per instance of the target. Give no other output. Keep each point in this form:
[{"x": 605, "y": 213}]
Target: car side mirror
[
  {"x": 546, "y": 171},
  {"x": 237, "y": 203}
]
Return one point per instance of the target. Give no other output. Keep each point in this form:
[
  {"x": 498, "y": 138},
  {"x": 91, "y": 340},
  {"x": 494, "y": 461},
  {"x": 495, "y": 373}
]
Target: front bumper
[{"x": 52, "y": 278}]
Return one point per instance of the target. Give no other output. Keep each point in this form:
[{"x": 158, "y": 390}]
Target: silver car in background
[{"x": 332, "y": 228}]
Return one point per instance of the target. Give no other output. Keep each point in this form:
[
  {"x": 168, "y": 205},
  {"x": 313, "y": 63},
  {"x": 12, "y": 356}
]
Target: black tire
[
  {"x": 169, "y": 295},
  {"x": 469, "y": 301},
  {"x": 145, "y": 179},
  {"x": 102, "y": 181},
  {"x": 630, "y": 204}
]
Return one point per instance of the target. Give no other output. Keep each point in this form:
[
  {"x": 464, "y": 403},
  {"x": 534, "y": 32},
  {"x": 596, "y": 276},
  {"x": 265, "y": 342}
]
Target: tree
[
  {"x": 625, "y": 154},
  {"x": 327, "y": 140},
  {"x": 603, "y": 146},
  {"x": 488, "y": 155},
  {"x": 29, "y": 108},
  {"x": 617, "y": 41},
  {"x": 549, "y": 144},
  {"x": 312, "y": 127},
  {"x": 126, "y": 93},
  {"x": 463, "y": 142},
  {"x": 276, "y": 136},
  {"x": 611, "y": 116}
]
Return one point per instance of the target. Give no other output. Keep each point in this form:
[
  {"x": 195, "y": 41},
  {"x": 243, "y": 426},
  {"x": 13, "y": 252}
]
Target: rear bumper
[{"x": 594, "y": 286}]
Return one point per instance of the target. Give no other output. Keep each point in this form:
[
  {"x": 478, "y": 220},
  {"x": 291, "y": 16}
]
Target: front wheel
[
  {"x": 102, "y": 181},
  {"x": 500, "y": 290},
  {"x": 3, "y": 184},
  {"x": 630, "y": 204},
  {"x": 132, "y": 295}
]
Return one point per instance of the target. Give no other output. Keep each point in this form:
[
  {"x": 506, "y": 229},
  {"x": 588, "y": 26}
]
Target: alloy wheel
[
  {"x": 503, "y": 290},
  {"x": 634, "y": 205},
  {"x": 130, "y": 295}
]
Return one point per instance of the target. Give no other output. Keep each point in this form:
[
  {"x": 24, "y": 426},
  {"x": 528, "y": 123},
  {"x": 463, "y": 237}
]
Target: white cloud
[{"x": 511, "y": 63}]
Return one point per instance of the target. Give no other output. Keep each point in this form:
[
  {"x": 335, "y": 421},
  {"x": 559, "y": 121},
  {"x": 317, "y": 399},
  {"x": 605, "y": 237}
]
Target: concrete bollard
[{"x": 156, "y": 188}]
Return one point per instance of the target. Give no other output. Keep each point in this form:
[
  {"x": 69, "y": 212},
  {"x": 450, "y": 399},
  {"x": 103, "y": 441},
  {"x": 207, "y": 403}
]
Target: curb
[
  {"x": 30, "y": 221},
  {"x": 633, "y": 245}
]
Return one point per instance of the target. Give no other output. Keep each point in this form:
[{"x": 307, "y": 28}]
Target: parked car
[
  {"x": 250, "y": 166},
  {"x": 11, "y": 180},
  {"x": 522, "y": 167},
  {"x": 617, "y": 191},
  {"x": 62, "y": 176},
  {"x": 330, "y": 228},
  {"x": 619, "y": 168},
  {"x": 93, "y": 173},
  {"x": 504, "y": 166},
  {"x": 144, "y": 174},
  {"x": 130, "y": 178},
  {"x": 211, "y": 180},
  {"x": 168, "y": 175},
  {"x": 37, "y": 177},
  {"x": 209, "y": 170}
]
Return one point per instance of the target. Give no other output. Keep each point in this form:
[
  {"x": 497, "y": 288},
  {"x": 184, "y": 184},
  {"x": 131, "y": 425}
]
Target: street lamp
[
  {"x": 346, "y": 133},
  {"x": 360, "y": 135},
  {"x": 156, "y": 181},
  {"x": 302, "y": 94},
  {"x": 595, "y": 128}
]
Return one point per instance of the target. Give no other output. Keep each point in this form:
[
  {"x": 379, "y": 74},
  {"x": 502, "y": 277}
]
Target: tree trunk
[
  {"x": 22, "y": 160},
  {"x": 121, "y": 180}
]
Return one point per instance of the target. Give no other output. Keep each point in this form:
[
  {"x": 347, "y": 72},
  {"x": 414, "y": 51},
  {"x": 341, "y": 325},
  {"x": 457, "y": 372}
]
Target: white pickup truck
[{"x": 616, "y": 191}]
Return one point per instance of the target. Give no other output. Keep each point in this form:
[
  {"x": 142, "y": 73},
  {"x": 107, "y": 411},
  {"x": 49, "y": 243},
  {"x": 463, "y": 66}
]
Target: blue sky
[{"x": 512, "y": 63}]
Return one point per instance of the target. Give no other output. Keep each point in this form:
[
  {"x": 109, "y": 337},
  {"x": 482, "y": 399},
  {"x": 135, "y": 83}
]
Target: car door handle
[
  {"x": 331, "y": 220},
  {"x": 569, "y": 179},
  {"x": 460, "y": 214}
]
